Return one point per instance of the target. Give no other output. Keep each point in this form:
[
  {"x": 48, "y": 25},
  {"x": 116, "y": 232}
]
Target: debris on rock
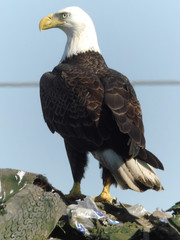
[
  {"x": 82, "y": 214},
  {"x": 138, "y": 211},
  {"x": 31, "y": 208}
]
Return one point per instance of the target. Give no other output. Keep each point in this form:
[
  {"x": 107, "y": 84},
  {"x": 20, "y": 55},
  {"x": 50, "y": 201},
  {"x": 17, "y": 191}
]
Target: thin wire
[
  {"x": 134, "y": 83},
  {"x": 155, "y": 83},
  {"x": 19, "y": 84}
]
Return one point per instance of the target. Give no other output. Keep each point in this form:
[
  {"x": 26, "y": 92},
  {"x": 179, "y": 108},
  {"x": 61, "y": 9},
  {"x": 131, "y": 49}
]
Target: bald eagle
[{"x": 95, "y": 109}]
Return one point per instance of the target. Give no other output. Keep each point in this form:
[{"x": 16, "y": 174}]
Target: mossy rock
[{"x": 28, "y": 212}]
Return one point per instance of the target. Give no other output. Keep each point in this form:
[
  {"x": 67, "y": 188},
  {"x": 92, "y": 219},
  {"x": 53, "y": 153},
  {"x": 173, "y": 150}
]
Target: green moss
[
  {"x": 10, "y": 185},
  {"x": 124, "y": 232}
]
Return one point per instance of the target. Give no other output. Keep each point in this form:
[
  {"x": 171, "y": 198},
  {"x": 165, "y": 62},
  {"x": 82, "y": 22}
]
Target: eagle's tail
[{"x": 134, "y": 173}]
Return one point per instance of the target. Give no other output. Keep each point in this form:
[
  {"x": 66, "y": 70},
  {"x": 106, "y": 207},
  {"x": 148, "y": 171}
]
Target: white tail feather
[{"x": 134, "y": 173}]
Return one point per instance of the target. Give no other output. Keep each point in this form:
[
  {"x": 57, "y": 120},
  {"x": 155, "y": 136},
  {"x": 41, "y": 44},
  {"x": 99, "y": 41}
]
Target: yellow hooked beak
[{"x": 50, "y": 22}]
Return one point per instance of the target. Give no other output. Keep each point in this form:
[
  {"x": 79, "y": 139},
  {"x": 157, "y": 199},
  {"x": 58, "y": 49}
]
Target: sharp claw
[
  {"x": 75, "y": 192},
  {"x": 105, "y": 198},
  {"x": 75, "y": 196}
]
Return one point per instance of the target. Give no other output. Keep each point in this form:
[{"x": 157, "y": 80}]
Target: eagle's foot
[
  {"x": 75, "y": 193},
  {"x": 105, "y": 197}
]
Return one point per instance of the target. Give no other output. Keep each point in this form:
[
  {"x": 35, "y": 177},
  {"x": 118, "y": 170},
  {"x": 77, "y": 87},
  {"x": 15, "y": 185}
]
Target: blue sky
[{"x": 141, "y": 39}]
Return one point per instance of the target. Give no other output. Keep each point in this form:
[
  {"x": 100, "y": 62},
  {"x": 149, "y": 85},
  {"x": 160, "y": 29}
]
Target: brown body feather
[{"x": 93, "y": 108}]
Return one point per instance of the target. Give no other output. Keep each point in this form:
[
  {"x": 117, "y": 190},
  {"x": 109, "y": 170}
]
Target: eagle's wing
[
  {"x": 120, "y": 97},
  {"x": 71, "y": 101}
]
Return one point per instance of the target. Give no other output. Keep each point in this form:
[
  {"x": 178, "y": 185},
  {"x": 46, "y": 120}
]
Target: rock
[
  {"x": 27, "y": 210},
  {"x": 31, "y": 208}
]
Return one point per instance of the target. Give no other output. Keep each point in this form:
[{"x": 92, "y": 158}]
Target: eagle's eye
[{"x": 64, "y": 15}]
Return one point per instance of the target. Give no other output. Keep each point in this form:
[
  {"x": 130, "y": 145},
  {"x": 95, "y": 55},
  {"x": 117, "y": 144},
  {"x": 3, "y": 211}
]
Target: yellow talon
[
  {"x": 105, "y": 195},
  {"x": 75, "y": 192}
]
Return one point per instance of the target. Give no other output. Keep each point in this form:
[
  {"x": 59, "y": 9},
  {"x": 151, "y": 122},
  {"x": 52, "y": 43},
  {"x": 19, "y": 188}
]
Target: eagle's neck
[
  {"x": 90, "y": 61},
  {"x": 80, "y": 42}
]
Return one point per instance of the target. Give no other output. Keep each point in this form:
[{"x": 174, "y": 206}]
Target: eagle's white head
[{"x": 79, "y": 28}]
